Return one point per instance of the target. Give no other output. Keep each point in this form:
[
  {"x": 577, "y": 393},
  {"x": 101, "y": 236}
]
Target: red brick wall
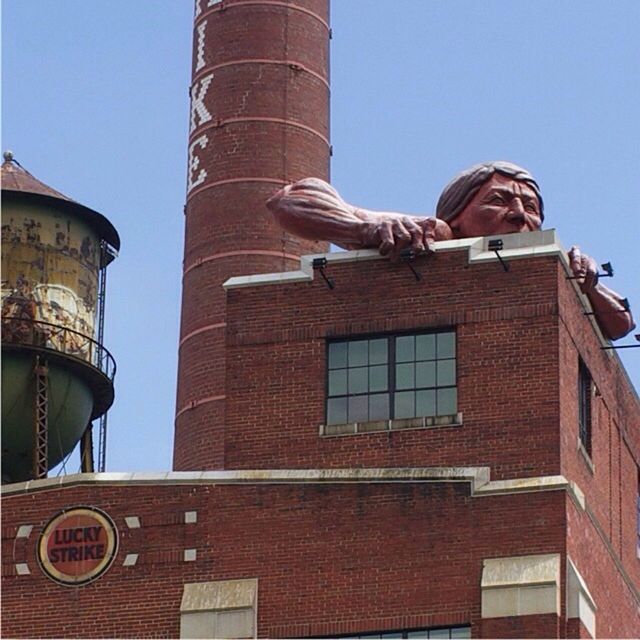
[
  {"x": 507, "y": 340},
  {"x": 538, "y": 626},
  {"x": 336, "y": 558},
  {"x": 267, "y": 124},
  {"x": 617, "y": 615},
  {"x": 610, "y": 483}
]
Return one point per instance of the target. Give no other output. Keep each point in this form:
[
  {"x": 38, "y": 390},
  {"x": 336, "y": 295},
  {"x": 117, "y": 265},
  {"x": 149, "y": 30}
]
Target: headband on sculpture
[{"x": 460, "y": 191}]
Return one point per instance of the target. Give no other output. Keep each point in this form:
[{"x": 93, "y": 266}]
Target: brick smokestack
[{"x": 259, "y": 119}]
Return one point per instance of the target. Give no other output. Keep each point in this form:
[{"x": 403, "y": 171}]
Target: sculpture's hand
[
  {"x": 611, "y": 310},
  {"x": 390, "y": 234},
  {"x": 393, "y": 233},
  {"x": 584, "y": 268}
]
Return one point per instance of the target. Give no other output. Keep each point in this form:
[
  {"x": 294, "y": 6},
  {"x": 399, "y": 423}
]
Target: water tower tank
[{"x": 57, "y": 376}]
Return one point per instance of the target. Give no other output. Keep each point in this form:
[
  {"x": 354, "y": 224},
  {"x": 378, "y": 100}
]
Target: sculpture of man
[{"x": 492, "y": 198}]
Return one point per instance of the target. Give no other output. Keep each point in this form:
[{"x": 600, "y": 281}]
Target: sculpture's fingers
[
  {"x": 429, "y": 234},
  {"x": 401, "y": 238},
  {"x": 417, "y": 243},
  {"x": 385, "y": 233},
  {"x": 575, "y": 260},
  {"x": 590, "y": 268}
]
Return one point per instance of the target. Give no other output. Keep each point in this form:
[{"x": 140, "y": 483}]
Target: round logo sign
[{"x": 77, "y": 546}]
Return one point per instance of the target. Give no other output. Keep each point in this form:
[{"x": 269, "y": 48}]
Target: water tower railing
[{"x": 59, "y": 339}]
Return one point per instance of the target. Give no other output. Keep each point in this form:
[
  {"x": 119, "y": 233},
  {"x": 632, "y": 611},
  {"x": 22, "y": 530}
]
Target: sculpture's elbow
[{"x": 621, "y": 328}]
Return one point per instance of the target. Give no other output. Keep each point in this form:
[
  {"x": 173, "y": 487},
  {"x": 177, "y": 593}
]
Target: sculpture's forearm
[
  {"x": 313, "y": 209},
  {"x": 609, "y": 309}
]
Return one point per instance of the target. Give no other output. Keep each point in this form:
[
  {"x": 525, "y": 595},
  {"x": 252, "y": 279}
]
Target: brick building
[
  {"x": 502, "y": 518},
  {"x": 451, "y": 456}
]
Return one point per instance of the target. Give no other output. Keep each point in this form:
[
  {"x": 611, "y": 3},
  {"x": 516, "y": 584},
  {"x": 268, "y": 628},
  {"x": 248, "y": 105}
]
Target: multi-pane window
[
  {"x": 584, "y": 405},
  {"x": 443, "y": 632},
  {"x": 391, "y": 377}
]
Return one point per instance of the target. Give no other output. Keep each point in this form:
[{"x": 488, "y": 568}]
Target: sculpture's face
[{"x": 502, "y": 205}]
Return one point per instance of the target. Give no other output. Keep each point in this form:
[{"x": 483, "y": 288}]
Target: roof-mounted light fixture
[
  {"x": 496, "y": 246},
  {"x": 607, "y": 269},
  {"x": 408, "y": 256},
  {"x": 319, "y": 264}
]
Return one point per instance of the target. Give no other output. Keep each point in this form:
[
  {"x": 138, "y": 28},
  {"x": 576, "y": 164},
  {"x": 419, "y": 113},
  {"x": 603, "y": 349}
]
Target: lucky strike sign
[{"x": 77, "y": 546}]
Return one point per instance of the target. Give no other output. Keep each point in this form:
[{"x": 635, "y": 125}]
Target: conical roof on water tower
[
  {"x": 17, "y": 182},
  {"x": 54, "y": 257}
]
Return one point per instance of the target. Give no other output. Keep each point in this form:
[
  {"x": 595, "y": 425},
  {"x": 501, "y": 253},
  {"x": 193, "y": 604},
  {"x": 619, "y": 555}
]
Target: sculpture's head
[{"x": 491, "y": 199}]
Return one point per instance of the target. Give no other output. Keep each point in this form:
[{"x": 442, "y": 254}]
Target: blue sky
[{"x": 95, "y": 104}]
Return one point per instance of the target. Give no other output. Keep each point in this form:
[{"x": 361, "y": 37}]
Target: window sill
[
  {"x": 586, "y": 457},
  {"x": 356, "y": 428}
]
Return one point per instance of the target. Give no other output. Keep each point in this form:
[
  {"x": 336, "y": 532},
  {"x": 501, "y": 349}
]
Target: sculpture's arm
[
  {"x": 313, "y": 209},
  {"x": 608, "y": 306}
]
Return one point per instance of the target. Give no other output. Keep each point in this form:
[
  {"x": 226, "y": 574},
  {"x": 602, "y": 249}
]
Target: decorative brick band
[
  {"x": 195, "y": 332},
  {"x": 290, "y": 123},
  {"x": 273, "y": 3},
  {"x": 196, "y": 403},
  {"x": 240, "y": 252},
  {"x": 292, "y": 64},
  {"x": 217, "y": 183}
]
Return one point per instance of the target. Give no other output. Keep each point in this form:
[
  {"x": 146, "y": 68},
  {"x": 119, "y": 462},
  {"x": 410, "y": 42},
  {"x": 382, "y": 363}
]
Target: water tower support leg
[
  {"x": 86, "y": 450},
  {"x": 41, "y": 419}
]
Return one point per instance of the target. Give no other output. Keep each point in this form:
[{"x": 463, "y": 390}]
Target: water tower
[{"x": 57, "y": 376}]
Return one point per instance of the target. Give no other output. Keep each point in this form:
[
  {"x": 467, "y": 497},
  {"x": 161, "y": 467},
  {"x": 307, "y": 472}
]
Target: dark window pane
[
  {"x": 446, "y": 345},
  {"x": 405, "y": 376},
  {"x": 378, "y": 351},
  {"x": 378, "y": 378},
  {"x": 426, "y": 347},
  {"x": 426, "y": 374},
  {"x": 446, "y": 372},
  {"x": 405, "y": 349},
  {"x": 358, "y": 382},
  {"x": 379, "y": 406},
  {"x": 394, "y": 634},
  {"x": 404, "y": 405},
  {"x": 447, "y": 403},
  {"x": 358, "y": 353},
  {"x": 337, "y": 355},
  {"x": 358, "y": 408},
  {"x": 337, "y": 411},
  {"x": 439, "y": 633},
  {"x": 461, "y": 632},
  {"x": 338, "y": 382},
  {"x": 423, "y": 633},
  {"x": 426, "y": 403}
]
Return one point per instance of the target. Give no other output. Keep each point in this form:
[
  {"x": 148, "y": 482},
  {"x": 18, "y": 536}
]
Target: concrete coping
[
  {"x": 477, "y": 477},
  {"x": 515, "y": 246}
]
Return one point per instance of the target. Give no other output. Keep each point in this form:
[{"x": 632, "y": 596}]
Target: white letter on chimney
[
  {"x": 194, "y": 162},
  {"x": 200, "y": 50},
  {"x": 197, "y": 102}
]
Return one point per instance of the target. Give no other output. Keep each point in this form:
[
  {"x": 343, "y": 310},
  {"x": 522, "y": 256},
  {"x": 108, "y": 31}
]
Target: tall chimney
[{"x": 259, "y": 119}]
